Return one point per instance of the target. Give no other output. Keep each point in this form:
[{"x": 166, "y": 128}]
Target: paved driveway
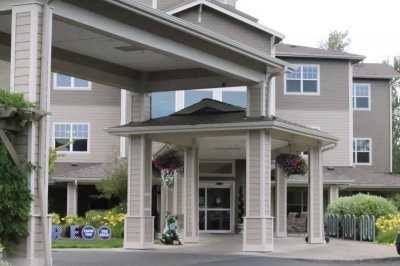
[{"x": 132, "y": 258}]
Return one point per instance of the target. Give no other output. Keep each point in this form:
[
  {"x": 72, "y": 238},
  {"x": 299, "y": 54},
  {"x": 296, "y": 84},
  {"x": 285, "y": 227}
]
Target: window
[
  {"x": 303, "y": 80},
  {"x": 71, "y": 137},
  {"x": 361, "y": 96},
  {"x": 162, "y": 104},
  {"x": 217, "y": 168},
  {"x": 64, "y": 82},
  {"x": 195, "y": 96},
  {"x": 362, "y": 151},
  {"x": 235, "y": 96}
]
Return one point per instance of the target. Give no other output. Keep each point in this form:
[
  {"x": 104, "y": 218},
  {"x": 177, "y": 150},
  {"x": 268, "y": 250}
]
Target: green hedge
[
  {"x": 362, "y": 204},
  {"x": 15, "y": 199}
]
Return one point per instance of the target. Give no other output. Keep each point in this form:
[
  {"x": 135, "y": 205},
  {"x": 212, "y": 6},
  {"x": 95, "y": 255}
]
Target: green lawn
[{"x": 68, "y": 243}]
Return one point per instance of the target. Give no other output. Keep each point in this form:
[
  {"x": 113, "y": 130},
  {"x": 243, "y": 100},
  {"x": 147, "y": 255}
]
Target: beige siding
[
  {"x": 329, "y": 111},
  {"x": 229, "y": 27},
  {"x": 4, "y": 75},
  {"x": 99, "y": 107},
  {"x": 380, "y": 131}
]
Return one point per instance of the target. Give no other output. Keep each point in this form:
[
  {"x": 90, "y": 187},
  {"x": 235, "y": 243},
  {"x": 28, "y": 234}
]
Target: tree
[
  {"x": 395, "y": 85},
  {"x": 116, "y": 184},
  {"x": 337, "y": 40}
]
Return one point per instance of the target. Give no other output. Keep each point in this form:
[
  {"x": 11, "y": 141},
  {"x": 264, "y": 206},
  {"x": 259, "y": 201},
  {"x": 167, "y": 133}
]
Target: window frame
[
  {"x": 231, "y": 174},
  {"x": 301, "y": 92},
  {"x": 72, "y": 87},
  {"x": 355, "y": 161},
  {"x": 71, "y": 151},
  {"x": 354, "y": 97}
]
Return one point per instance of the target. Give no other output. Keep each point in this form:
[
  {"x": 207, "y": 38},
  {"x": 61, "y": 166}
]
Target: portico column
[
  {"x": 30, "y": 70},
  {"x": 281, "y": 203},
  {"x": 333, "y": 193},
  {"x": 72, "y": 199},
  {"x": 315, "y": 197},
  {"x": 139, "y": 224},
  {"x": 258, "y": 223},
  {"x": 191, "y": 195}
]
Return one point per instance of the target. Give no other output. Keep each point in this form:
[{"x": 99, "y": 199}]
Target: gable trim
[{"x": 229, "y": 13}]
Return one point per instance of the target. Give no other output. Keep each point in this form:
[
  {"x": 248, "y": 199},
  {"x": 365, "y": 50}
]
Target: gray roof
[
  {"x": 80, "y": 171},
  {"x": 354, "y": 178},
  {"x": 228, "y": 7},
  {"x": 374, "y": 71},
  {"x": 289, "y": 50}
]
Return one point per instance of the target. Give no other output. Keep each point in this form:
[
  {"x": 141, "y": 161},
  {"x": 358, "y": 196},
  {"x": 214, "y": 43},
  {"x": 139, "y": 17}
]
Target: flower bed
[{"x": 388, "y": 228}]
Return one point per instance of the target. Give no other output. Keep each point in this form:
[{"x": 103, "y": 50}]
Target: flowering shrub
[
  {"x": 388, "y": 228},
  {"x": 169, "y": 160},
  {"x": 56, "y": 218},
  {"x": 292, "y": 164}
]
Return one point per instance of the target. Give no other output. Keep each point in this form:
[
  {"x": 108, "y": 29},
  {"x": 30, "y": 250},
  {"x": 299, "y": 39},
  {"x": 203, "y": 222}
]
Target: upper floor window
[
  {"x": 64, "y": 82},
  {"x": 163, "y": 103},
  {"x": 71, "y": 137},
  {"x": 303, "y": 80},
  {"x": 362, "y": 151},
  {"x": 361, "y": 96}
]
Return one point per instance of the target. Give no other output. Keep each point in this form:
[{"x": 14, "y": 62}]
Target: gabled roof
[
  {"x": 297, "y": 51},
  {"x": 374, "y": 71},
  {"x": 212, "y": 115},
  {"x": 227, "y": 10}
]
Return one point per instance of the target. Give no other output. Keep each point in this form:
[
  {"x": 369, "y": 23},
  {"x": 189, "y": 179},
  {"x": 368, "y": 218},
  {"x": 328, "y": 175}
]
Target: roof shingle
[{"x": 374, "y": 71}]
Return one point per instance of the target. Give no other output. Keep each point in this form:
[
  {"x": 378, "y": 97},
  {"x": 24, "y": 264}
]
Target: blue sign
[
  {"x": 74, "y": 232},
  {"x": 56, "y": 232},
  {"x": 104, "y": 233},
  {"x": 88, "y": 232}
]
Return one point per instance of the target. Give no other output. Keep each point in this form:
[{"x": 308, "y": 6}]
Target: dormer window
[{"x": 304, "y": 80}]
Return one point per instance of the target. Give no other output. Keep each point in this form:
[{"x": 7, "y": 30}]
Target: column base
[
  {"x": 314, "y": 240},
  {"x": 258, "y": 235},
  {"x": 281, "y": 235},
  {"x": 139, "y": 232},
  {"x": 191, "y": 240}
]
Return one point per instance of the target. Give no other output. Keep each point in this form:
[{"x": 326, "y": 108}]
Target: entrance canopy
[
  {"x": 128, "y": 45},
  {"x": 213, "y": 119}
]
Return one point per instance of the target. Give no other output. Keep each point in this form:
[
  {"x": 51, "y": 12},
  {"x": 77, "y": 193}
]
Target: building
[{"x": 295, "y": 100}]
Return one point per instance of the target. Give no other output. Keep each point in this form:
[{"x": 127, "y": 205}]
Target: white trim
[
  {"x": 302, "y": 93},
  {"x": 229, "y": 13},
  {"x": 351, "y": 114},
  {"x": 72, "y": 123},
  {"x": 232, "y": 174},
  {"x": 123, "y": 140},
  {"x": 355, "y": 108},
  {"x": 391, "y": 131},
  {"x": 72, "y": 87},
  {"x": 219, "y": 184},
  {"x": 370, "y": 151}
]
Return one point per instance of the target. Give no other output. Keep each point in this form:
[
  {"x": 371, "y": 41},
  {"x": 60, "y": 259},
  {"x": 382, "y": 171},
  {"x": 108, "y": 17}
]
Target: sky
[{"x": 373, "y": 25}]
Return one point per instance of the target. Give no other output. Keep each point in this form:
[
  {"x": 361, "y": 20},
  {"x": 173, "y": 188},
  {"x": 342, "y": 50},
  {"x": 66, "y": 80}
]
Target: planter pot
[{"x": 7, "y": 111}]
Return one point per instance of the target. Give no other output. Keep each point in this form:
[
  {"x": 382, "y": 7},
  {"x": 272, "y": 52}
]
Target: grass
[
  {"x": 68, "y": 243},
  {"x": 388, "y": 237}
]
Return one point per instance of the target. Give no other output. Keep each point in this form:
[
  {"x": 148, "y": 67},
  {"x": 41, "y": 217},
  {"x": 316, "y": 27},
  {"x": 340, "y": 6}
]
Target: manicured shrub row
[{"x": 362, "y": 204}]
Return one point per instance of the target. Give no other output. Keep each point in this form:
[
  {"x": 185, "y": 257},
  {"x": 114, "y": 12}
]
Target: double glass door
[{"x": 215, "y": 207}]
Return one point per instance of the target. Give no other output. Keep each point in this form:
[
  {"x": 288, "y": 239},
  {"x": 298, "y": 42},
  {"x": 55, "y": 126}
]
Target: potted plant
[
  {"x": 292, "y": 164},
  {"x": 168, "y": 164}
]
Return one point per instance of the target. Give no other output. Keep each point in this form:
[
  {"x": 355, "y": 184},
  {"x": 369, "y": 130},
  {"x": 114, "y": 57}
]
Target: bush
[
  {"x": 362, "y": 204},
  {"x": 15, "y": 200},
  {"x": 388, "y": 228},
  {"x": 11, "y": 99},
  {"x": 396, "y": 201},
  {"x": 4, "y": 263},
  {"x": 116, "y": 184}
]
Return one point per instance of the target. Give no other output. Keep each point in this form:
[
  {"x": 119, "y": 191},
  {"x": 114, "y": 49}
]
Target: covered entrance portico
[{"x": 263, "y": 138}]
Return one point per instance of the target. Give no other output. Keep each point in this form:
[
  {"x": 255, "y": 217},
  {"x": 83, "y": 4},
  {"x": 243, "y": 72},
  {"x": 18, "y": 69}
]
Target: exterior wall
[
  {"x": 380, "y": 131},
  {"x": 330, "y": 111},
  {"x": 4, "y": 74},
  {"x": 229, "y": 27},
  {"x": 100, "y": 107}
]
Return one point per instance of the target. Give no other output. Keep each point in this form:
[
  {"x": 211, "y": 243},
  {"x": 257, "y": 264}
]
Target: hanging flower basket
[
  {"x": 168, "y": 163},
  {"x": 292, "y": 164}
]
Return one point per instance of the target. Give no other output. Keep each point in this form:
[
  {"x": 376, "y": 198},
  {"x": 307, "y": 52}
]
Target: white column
[
  {"x": 167, "y": 201},
  {"x": 72, "y": 199},
  {"x": 333, "y": 193},
  {"x": 258, "y": 223},
  {"x": 139, "y": 224},
  {"x": 31, "y": 34},
  {"x": 191, "y": 195},
  {"x": 177, "y": 205},
  {"x": 281, "y": 203},
  {"x": 315, "y": 197}
]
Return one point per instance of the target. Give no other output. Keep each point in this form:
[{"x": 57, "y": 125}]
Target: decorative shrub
[
  {"x": 362, "y": 204},
  {"x": 292, "y": 164},
  {"x": 4, "y": 263},
  {"x": 15, "y": 200},
  {"x": 388, "y": 228},
  {"x": 396, "y": 201},
  {"x": 55, "y": 218}
]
